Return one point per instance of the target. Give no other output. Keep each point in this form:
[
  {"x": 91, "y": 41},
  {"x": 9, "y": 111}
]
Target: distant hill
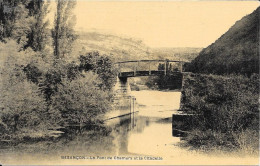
[
  {"x": 234, "y": 52},
  {"x": 175, "y": 53},
  {"x": 122, "y": 48}
]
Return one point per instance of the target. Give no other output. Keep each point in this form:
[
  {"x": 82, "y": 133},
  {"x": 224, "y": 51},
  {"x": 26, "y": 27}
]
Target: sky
[{"x": 163, "y": 23}]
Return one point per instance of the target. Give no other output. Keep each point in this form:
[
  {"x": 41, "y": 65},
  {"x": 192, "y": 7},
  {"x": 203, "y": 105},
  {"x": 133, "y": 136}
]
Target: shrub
[
  {"x": 101, "y": 65},
  {"x": 80, "y": 101},
  {"x": 39, "y": 92},
  {"x": 222, "y": 104},
  {"x": 22, "y": 105}
]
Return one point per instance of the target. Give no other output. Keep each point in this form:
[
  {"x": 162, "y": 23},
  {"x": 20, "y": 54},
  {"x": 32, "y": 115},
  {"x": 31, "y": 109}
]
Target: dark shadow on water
[{"x": 178, "y": 133}]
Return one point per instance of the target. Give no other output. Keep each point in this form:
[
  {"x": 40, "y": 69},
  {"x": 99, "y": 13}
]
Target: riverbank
[
  {"x": 40, "y": 93},
  {"x": 129, "y": 136},
  {"x": 145, "y": 134},
  {"x": 225, "y": 109}
]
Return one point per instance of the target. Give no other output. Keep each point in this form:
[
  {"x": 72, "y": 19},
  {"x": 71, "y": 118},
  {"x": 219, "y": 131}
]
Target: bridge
[
  {"x": 148, "y": 68},
  {"x": 123, "y": 102}
]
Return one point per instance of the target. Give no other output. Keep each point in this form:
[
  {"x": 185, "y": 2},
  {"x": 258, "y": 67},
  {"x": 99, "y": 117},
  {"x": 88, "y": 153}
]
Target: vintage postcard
[{"x": 85, "y": 82}]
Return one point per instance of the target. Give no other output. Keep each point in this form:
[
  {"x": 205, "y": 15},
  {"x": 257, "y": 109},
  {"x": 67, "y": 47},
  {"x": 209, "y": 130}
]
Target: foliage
[
  {"x": 225, "y": 108},
  {"x": 237, "y": 51},
  {"x": 172, "y": 79},
  {"x": 22, "y": 104},
  {"x": 39, "y": 90},
  {"x": 101, "y": 65},
  {"x": 23, "y": 20},
  {"x": 223, "y": 105},
  {"x": 47, "y": 76},
  {"x": 39, "y": 35},
  {"x": 246, "y": 141},
  {"x": 80, "y": 100},
  {"x": 63, "y": 33}
]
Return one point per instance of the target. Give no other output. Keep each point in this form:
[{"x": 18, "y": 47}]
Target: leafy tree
[
  {"x": 101, "y": 65},
  {"x": 21, "y": 25},
  {"x": 80, "y": 101},
  {"x": 63, "y": 32},
  {"x": 22, "y": 105},
  {"x": 38, "y": 36},
  {"x": 23, "y": 20}
]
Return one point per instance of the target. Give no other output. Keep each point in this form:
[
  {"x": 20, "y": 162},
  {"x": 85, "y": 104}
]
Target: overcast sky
[{"x": 163, "y": 23}]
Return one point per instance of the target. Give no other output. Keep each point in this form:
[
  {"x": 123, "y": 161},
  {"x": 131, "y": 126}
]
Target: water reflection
[
  {"x": 147, "y": 131},
  {"x": 141, "y": 136},
  {"x": 135, "y": 133}
]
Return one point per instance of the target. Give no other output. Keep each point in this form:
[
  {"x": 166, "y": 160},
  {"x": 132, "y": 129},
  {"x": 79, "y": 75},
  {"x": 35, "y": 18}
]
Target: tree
[
  {"x": 21, "y": 25},
  {"x": 101, "y": 65},
  {"x": 38, "y": 36},
  {"x": 63, "y": 33},
  {"x": 22, "y": 104},
  {"x": 81, "y": 100},
  {"x": 23, "y": 20}
]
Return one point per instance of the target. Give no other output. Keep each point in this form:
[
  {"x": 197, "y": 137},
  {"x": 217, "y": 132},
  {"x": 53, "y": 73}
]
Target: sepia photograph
[{"x": 120, "y": 82}]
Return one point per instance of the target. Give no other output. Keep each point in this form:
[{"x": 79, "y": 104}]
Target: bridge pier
[{"x": 165, "y": 68}]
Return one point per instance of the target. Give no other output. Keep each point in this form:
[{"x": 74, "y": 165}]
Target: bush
[
  {"x": 22, "y": 105},
  {"x": 39, "y": 92},
  {"x": 80, "y": 101},
  {"x": 101, "y": 65},
  {"x": 172, "y": 81},
  {"x": 209, "y": 139},
  {"x": 227, "y": 105}
]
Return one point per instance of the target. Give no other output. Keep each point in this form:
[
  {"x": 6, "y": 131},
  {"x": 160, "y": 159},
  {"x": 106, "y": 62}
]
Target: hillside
[
  {"x": 234, "y": 52},
  {"x": 119, "y": 48},
  {"x": 182, "y": 53},
  {"x": 122, "y": 48}
]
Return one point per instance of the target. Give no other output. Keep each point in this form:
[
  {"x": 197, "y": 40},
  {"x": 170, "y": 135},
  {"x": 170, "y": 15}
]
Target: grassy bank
[
  {"x": 92, "y": 139},
  {"x": 225, "y": 109}
]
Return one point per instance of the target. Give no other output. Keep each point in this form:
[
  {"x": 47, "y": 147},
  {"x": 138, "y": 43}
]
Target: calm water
[
  {"x": 146, "y": 133},
  {"x": 149, "y": 131}
]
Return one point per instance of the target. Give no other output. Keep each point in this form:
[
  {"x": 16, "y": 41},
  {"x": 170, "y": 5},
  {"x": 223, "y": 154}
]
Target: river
[{"x": 143, "y": 137}]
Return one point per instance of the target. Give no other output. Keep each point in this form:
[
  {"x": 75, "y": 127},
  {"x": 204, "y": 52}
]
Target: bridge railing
[{"x": 148, "y": 67}]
